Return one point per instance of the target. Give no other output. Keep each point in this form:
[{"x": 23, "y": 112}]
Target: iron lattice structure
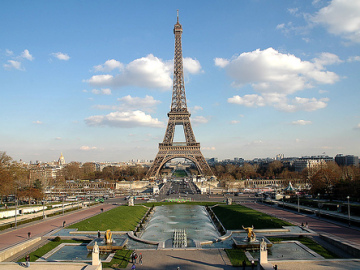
[{"x": 179, "y": 115}]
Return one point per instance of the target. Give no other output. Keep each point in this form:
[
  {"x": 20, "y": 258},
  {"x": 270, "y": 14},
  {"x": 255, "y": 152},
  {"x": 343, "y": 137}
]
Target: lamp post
[
  {"x": 283, "y": 201},
  {"x": 16, "y": 205},
  {"x": 63, "y": 205},
  {"x": 298, "y": 197},
  {"x": 43, "y": 209},
  {"x": 348, "y": 198},
  {"x": 319, "y": 203}
]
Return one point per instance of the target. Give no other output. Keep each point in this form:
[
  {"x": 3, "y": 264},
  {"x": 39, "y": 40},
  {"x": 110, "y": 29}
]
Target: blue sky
[{"x": 93, "y": 79}]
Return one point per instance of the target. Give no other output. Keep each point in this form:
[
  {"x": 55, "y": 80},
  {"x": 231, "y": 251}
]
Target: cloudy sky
[{"x": 93, "y": 79}]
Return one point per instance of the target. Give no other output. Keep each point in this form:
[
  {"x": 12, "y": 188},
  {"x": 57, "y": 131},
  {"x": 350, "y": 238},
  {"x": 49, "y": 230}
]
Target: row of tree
[
  {"x": 15, "y": 180},
  {"x": 331, "y": 181}
]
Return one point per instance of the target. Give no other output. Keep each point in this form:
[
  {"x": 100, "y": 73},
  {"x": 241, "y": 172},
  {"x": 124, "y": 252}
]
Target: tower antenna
[{"x": 177, "y": 11}]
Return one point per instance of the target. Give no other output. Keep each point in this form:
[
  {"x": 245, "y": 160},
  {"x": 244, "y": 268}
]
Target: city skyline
[{"x": 93, "y": 80}]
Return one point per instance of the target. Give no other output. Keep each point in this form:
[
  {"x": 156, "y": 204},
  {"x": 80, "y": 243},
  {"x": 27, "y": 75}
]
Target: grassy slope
[
  {"x": 234, "y": 216},
  {"x": 122, "y": 218}
]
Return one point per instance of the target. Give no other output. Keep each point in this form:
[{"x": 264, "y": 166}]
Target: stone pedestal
[
  {"x": 95, "y": 255},
  {"x": 263, "y": 258},
  {"x": 131, "y": 201}
]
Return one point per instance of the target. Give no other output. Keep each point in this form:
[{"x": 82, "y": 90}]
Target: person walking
[
  {"x": 27, "y": 260},
  {"x": 99, "y": 234},
  {"x": 64, "y": 223},
  {"x": 252, "y": 265},
  {"x": 133, "y": 267},
  {"x": 140, "y": 258},
  {"x": 29, "y": 234}
]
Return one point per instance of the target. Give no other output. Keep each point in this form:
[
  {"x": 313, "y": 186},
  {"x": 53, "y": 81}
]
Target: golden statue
[
  {"x": 250, "y": 233},
  {"x": 108, "y": 237}
]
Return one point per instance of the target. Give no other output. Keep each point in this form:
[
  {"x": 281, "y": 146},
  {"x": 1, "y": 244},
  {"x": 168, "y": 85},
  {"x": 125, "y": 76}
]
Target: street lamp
[
  {"x": 63, "y": 205},
  {"x": 319, "y": 203},
  {"x": 16, "y": 205},
  {"x": 348, "y": 197},
  {"x": 43, "y": 209},
  {"x": 298, "y": 203}
]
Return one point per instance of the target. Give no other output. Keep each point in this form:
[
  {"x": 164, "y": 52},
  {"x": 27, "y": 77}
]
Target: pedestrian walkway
[
  {"x": 315, "y": 224},
  {"x": 11, "y": 237},
  {"x": 213, "y": 259}
]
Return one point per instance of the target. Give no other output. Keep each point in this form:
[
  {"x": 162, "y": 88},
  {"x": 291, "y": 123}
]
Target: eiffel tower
[{"x": 179, "y": 115}]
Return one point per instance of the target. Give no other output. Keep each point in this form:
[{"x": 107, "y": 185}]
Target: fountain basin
[
  {"x": 244, "y": 244},
  {"x": 118, "y": 243}
]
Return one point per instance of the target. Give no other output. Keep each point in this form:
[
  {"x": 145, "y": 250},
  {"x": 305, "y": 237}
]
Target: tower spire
[{"x": 179, "y": 116}]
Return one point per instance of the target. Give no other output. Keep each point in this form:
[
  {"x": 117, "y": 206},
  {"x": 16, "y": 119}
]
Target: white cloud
[
  {"x": 341, "y": 17},
  {"x": 58, "y": 138},
  {"x": 221, "y": 62},
  {"x": 233, "y": 122},
  {"x": 148, "y": 72},
  {"x": 248, "y": 100},
  {"x": 275, "y": 75},
  {"x": 354, "y": 59},
  {"x": 147, "y": 103},
  {"x": 301, "y": 122},
  {"x": 326, "y": 58},
  {"x": 126, "y": 119},
  {"x": 26, "y": 54},
  {"x": 357, "y": 127},
  {"x": 12, "y": 64},
  {"x": 37, "y": 122},
  {"x": 109, "y": 65},
  {"x": 191, "y": 65},
  {"x": 61, "y": 56},
  {"x": 87, "y": 148},
  {"x": 103, "y": 91},
  {"x": 199, "y": 120},
  {"x": 302, "y": 104},
  {"x": 195, "y": 109},
  {"x": 9, "y": 52},
  {"x": 274, "y": 72}
]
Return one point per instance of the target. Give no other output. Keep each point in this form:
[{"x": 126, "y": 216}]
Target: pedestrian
[
  {"x": 102, "y": 210},
  {"x": 302, "y": 224},
  {"x": 135, "y": 257},
  {"x": 29, "y": 234},
  {"x": 275, "y": 267},
  {"x": 140, "y": 258},
  {"x": 132, "y": 256},
  {"x": 64, "y": 223},
  {"x": 99, "y": 234},
  {"x": 244, "y": 264},
  {"x": 306, "y": 224},
  {"x": 27, "y": 260},
  {"x": 252, "y": 265},
  {"x": 133, "y": 267}
]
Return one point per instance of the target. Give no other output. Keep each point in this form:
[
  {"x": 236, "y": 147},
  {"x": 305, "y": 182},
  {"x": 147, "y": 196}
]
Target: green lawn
[
  {"x": 46, "y": 248},
  {"x": 234, "y": 216},
  {"x": 122, "y": 218},
  {"x": 310, "y": 243},
  {"x": 237, "y": 256},
  {"x": 120, "y": 259}
]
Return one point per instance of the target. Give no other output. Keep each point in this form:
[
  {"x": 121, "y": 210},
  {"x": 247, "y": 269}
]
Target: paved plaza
[{"x": 186, "y": 259}]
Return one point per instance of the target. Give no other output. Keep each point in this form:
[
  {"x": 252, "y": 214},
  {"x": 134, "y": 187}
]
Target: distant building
[
  {"x": 313, "y": 162},
  {"x": 347, "y": 160},
  {"x": 61, "y": 160}
]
